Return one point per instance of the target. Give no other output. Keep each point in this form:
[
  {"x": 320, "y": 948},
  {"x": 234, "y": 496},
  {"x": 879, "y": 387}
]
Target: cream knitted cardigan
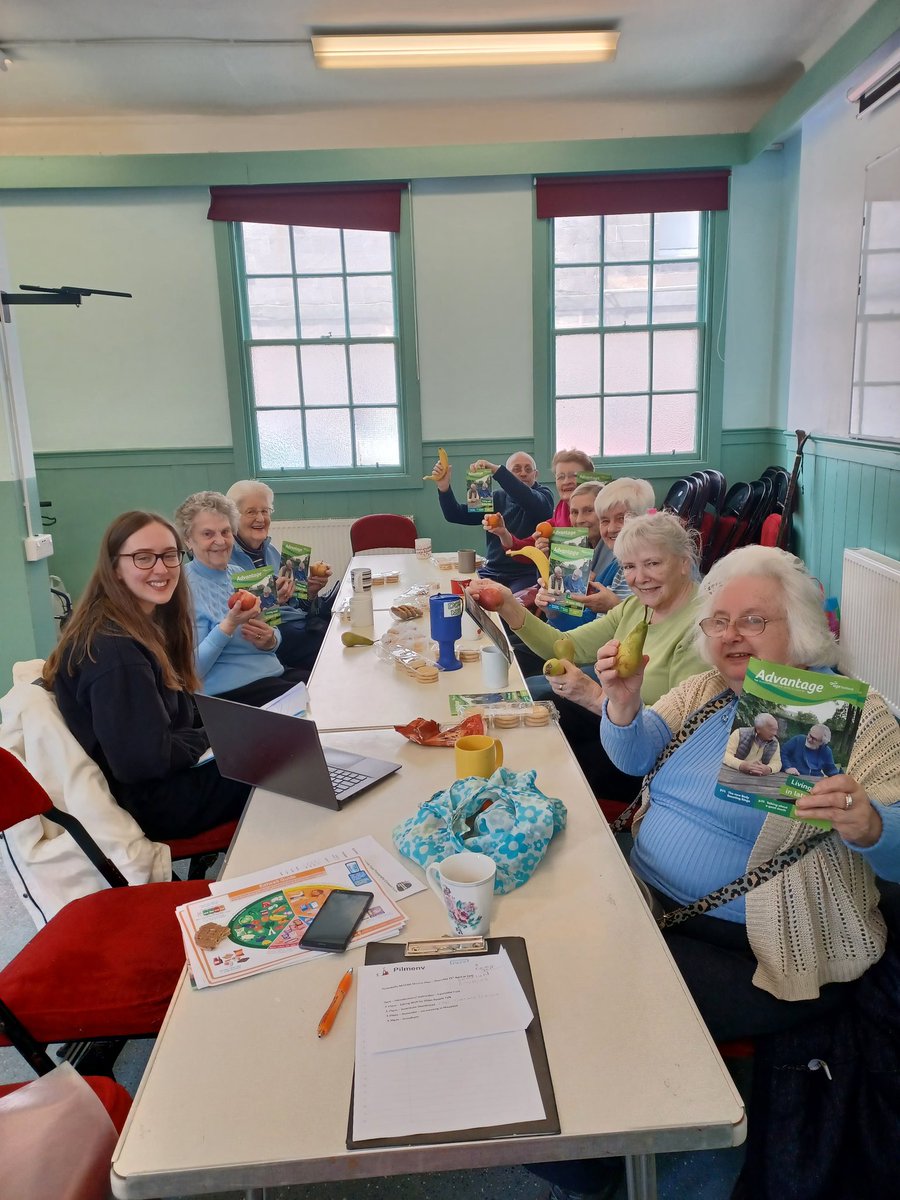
[{"x": 818, "y": 921}]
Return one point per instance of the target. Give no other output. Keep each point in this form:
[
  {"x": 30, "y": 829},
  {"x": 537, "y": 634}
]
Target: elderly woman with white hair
[
  {"x": 774, "y": 953},
  {"x": 234, "y": 647},
  {"x": 657, "y": 555},
  {"x": 619, "y": 501},
  {"x": 304, "y": 623}
]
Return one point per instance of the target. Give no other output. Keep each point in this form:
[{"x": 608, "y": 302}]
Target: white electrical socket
[{"x": 39, "y": 546}]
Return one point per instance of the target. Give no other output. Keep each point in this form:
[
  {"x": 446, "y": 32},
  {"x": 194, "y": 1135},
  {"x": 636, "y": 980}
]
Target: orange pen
[{"x": 332, "y": 1011}]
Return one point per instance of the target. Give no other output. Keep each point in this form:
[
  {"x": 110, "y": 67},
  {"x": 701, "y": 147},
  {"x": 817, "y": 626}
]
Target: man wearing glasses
[{"x": 810, "y": 755}]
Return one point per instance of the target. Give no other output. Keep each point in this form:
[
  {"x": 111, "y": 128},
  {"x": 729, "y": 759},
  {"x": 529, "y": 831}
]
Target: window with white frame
[
  {"x": 321, "y": 347},
  {"x": 629, "y": 319}
]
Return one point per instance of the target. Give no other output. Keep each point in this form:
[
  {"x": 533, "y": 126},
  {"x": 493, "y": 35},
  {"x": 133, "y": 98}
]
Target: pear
[
  {"x": 631, "y": 650},
  {"x": 355, "y": 639},
  {"x": 554, "y": 667},
  {"x": 564, "y": 647}
]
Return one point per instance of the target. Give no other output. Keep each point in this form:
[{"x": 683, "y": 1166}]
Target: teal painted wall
[
  {"x": 27, "y": 628},
  {"x": 87, "y": 490}
]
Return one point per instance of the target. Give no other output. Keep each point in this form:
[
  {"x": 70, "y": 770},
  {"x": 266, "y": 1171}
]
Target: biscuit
[
  {"x": 469, "y": 655},
  {"x": 537, "y": 716},
  {"x": 406, "y": 612},
  {"x": 209, "y": 935},
  {"x": 506, "y": 720},
  {"x": 426, "y": 673}
]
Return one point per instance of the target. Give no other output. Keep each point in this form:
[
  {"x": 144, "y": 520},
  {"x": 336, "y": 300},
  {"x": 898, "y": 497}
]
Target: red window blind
[
  {"x": 659, "y": 191},
  {"x": 329, "y": 206}
]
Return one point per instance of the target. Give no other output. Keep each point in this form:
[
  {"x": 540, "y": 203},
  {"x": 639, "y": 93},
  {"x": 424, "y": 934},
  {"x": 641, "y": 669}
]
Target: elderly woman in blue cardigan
[{"x": 234, "y": 648}]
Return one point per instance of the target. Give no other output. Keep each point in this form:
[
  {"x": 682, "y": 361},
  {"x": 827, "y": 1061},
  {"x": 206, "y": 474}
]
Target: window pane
[
  {"x": 625, "y": 364},
  {"x": 875, "y": 412},
  {"x": 328, "y": 436},
  {"x": 577, "y": 297},
  {"x": 267, "y": 249},
  {"x": 576, "y": 239},
  {"x": 676, "y": 235},
  {"x": 625, "y": 295},
  {"x": 377, "y": 437},
  {"x": 271, "y": 305},
  {"x": 578, "y": 424},
  {"x": 371, "y": 302},
  {"x": 882, "y": 352},
  {"x": 675, "y": 291},
  {"x": 373, "y": 374},
  {"x": 321, "y": 305},
  {"x": 674, "y": 424},
  {"x": 367, "y": 250},
  {"x": 578, "y": 365},
  {"x": 324, "y": 377},
  {"x": 280, "y": 440},
  {"x": 627, "y": 238},
  {"x": 675, "y": 361},
  {"x": 624, "y": 425},
  {"x": 881, "y": 291},
  {"x": 317, "y": 250},
  {"x": 274, "y": 375}
]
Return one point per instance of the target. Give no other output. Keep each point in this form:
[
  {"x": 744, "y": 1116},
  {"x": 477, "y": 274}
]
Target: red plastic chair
[
  {"x": 106, "y": 965},
  {"x": 111, "y": 1095},
  {"x": 382, "y": 531}
]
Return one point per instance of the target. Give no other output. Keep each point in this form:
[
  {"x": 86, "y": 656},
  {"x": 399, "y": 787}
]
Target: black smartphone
[{"x": 335, "y": 923}]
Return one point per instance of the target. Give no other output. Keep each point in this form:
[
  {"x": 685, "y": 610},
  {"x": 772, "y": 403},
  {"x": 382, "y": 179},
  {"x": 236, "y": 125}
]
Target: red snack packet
[{"x": 428, "y": 733}]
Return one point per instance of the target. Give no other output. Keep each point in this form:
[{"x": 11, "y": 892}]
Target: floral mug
[{"x": 465, "y": 882}]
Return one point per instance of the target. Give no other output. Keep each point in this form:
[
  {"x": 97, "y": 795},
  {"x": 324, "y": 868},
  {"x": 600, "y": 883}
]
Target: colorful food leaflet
[{"x": 260, "y": 926}]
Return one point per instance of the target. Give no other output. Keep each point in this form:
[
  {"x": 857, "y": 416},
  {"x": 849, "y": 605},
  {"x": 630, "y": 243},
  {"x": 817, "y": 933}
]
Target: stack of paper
[
  {"x": 441, "y": 1046},
  {"x": 256, "y": 923}
]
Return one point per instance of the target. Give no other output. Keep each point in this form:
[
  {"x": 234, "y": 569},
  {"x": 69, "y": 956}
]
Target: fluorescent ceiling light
[{"x": 363, "y": 51}]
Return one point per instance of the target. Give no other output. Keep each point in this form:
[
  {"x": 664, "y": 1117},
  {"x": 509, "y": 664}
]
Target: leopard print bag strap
[
  {"x": 739, "y": 887},
  {"x": 691, "y": 725}
]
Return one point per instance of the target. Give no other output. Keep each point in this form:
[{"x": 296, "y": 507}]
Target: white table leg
[{"x": 640, "y": 1176}]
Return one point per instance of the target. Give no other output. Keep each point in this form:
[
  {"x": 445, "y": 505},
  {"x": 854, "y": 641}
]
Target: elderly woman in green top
[{"x": 657, "y": 555}]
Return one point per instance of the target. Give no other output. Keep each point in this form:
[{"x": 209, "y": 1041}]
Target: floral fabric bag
[{"x": 505, "y": 817}]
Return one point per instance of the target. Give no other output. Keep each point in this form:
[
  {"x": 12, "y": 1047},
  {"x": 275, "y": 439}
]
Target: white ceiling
[{"x": 678, "y": 51}]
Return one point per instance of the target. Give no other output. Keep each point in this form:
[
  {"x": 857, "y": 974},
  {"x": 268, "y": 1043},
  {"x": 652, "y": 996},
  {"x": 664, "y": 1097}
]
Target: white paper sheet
[
  {"x": 390, "y": 872},
  {"x": 410, "y": 1004},
  {"x": 468, "y": 1082}
]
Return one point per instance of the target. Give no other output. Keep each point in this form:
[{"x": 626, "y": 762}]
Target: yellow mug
[{"x": 478, "y": 755}]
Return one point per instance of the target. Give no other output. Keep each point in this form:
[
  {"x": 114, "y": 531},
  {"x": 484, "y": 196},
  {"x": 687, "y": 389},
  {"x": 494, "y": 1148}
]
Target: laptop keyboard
[{"x": 343, "y": 780}]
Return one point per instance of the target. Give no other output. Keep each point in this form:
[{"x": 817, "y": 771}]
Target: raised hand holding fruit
[
  {"x": 243, "y": 598},
  {"x": 319, "y": 570},
  {"x": 630, "y": 657},
  {"x": 440, "y": 467},
  {"x": 543, "y": 529}
]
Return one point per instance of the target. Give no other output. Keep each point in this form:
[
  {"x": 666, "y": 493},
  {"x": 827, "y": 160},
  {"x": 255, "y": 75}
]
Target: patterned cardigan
[{"x": 818, "y": 921}]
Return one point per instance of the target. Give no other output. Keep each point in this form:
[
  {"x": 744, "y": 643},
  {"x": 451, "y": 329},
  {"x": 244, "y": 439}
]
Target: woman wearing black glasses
[{"x": 123, "y": 673}]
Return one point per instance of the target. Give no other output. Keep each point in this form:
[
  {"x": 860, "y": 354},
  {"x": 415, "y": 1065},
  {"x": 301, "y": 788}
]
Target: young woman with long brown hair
[{"x": 123, "y": 673}]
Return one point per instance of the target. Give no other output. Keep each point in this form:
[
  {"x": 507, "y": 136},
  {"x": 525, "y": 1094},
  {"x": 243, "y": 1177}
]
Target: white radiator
[
  {"x": 328, "y": 539},
  {"x": 870, "y": 622}
]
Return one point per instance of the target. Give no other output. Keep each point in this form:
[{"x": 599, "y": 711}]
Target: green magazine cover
[
  {"x": 569, "y": 535},
  {"x": 791, "y": 727},
  {"x": 594, "y": 477},
  {"x": 479, "y": 496},
  {"x": 295, "y": 563},
  {"x": 570, "y": 567},
  {"x": 260, "y": 581}
]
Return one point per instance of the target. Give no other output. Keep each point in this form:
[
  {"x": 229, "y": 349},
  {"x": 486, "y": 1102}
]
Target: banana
[
  {"x": 444, "y": 464},
  {"x": 539, "y": 558}
]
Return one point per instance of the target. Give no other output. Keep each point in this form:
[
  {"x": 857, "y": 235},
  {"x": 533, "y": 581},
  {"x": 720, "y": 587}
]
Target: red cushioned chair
[
  {"x": 202, "y": 850},
  {"x": 106, "y": 965},
  {"x": 382, "y": 531}
]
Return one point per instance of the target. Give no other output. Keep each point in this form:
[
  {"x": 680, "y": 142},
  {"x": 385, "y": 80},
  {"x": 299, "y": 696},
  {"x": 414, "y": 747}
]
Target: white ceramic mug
[
  {"x": 423, "y": 547},
  {"x": 494, "y": 669},
  {"x": 465, "y": 882}
]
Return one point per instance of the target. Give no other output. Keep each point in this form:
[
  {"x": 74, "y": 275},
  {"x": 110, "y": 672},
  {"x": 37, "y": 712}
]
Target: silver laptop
[{"x": 283, "y": 754}]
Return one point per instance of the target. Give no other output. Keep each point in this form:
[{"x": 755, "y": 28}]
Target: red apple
[
  {"x": 243, "y": 598},
  {"x": 490, "y": 597},
  {"x": 318, "y": 570}
]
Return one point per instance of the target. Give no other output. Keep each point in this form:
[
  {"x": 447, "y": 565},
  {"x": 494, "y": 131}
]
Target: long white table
[
  {"x": 240, "y": 1093},
  {"x": 351, "y": 688},
  {"x": 411, "y": 570}
]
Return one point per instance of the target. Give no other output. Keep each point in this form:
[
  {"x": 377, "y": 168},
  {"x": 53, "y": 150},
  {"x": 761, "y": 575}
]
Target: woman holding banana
[{"x": 657, "y": 556}]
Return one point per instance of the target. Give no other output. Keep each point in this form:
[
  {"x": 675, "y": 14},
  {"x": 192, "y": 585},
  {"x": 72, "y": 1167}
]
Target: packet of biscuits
[{"x": 428, "y": 733}]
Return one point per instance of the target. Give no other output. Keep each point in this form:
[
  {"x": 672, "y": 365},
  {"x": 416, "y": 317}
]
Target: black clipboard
[{"x": 387, "y": 952}]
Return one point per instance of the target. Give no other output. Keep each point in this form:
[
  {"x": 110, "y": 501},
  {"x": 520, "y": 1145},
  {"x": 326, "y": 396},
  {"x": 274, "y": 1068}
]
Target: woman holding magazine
[
  {"x": 303, "y": 622},
  {"x": 235, "y": 648},
  {"x": 781, "y": 952},
  {"x": 123, "y": 673}
]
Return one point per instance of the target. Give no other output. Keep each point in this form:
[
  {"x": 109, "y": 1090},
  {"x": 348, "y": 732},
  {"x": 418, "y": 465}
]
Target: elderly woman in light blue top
[
  {"x": 303, "y": 622},
  {"x": 235, "y": 648}
]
